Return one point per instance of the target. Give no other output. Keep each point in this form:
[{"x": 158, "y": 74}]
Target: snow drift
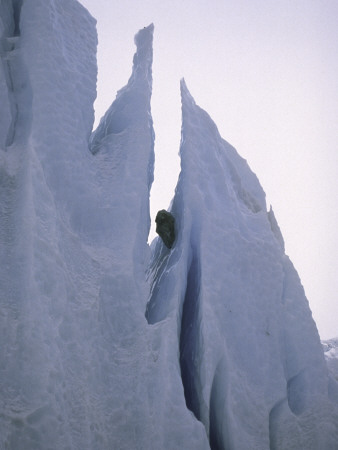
[{"x": 106, "y": 343}]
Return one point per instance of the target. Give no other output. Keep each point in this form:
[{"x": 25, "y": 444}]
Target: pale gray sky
[{"x": 266, "y": 72}]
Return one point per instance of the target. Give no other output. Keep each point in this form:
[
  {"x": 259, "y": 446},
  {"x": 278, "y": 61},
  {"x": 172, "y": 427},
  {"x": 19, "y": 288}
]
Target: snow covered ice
[{"x": 106, "y": 343}]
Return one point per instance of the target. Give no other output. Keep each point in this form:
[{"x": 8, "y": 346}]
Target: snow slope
[
  {"x": 251, "y": 360},
  {"x": 216, "y": 348}
]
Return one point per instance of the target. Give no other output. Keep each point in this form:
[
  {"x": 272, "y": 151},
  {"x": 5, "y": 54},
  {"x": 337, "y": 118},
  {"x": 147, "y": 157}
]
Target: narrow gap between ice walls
[
  {"x": 191, "y": 357},
  {"x": 189, "y": 337},
  {"x": 17, "y": 80},
  {"x": 17, "y": 5}
]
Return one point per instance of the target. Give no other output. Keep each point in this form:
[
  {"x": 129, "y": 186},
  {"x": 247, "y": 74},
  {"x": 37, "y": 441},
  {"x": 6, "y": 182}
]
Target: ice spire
[
  {"x": 143, "y": 58},
  {"x": 132, "y": 101},
  {"x": 125, "y": 137},
  {"x": 250, "y": 356}
]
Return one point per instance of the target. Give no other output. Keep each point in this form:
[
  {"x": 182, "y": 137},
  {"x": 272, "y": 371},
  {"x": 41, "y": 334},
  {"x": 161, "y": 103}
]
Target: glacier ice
[
  {"x": 250, "y": 355},
  {"x": 331, "y": 355},
  {"x": 107, "y": 343},
  {"x": 80, "y": 367}
]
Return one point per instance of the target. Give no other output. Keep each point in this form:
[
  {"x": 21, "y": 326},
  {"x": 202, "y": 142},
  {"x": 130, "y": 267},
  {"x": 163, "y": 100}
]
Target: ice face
[
  {"x": 330, "y": 348},
  {"x": 250, "y": 357},
  {"x": 9, "y": 61},
  {"x": 125, "y": 137},
  {"x": 228, "y": 357},
  {"x": 80, "y": 367}
]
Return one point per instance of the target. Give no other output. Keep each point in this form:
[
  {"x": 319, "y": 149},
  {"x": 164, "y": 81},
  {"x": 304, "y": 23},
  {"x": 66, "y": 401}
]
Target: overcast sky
[{"x": 266, "y": 72}]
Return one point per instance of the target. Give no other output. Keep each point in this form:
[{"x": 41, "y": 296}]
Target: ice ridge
[
  {"x": 127, "y": 126},
  {"x": 125, "y": 108},
  {"x": 250, "y": 357}
]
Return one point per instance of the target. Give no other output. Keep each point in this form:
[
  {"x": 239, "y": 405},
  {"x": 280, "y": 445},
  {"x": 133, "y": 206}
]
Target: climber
[{"x": 165, "y": 227}]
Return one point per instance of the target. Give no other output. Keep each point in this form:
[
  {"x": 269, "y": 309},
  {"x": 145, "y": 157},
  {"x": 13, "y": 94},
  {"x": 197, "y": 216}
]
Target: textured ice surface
[
  {"x": 331, "y": 354},
  {"x": 80, "y": 367},
  {"x": 227, "y": 356},
  {"x": 330, "y": 348},
  {"x": 251, "y": 361}
]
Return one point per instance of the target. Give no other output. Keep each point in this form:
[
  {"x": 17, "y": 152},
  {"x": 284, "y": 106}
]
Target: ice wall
[
  {"x": 330, "y": 348},
  {"x": 44, "y": 391},
  {"x": 6, "y": 47},
  {"x": 227, "y": 356},
  {"x": 250, "y": 356},
  {"x": 79, "y": 366}
]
